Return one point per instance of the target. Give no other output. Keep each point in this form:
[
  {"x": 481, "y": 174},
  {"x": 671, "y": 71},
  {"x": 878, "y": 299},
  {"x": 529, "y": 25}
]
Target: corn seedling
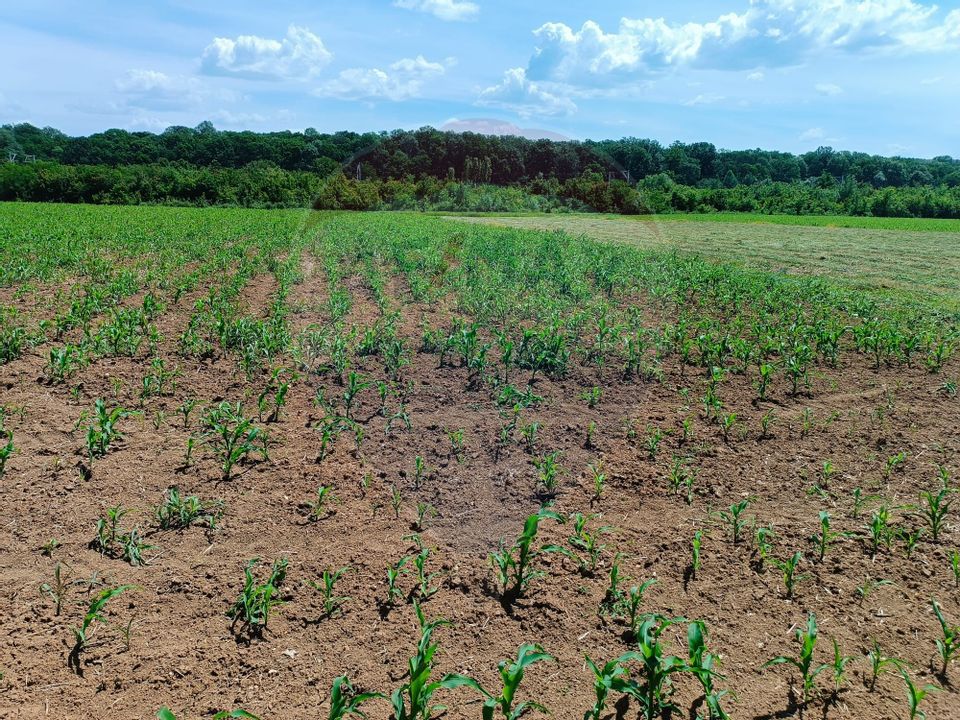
[
  {"x": 231, "y": 436},
  {"x": 57, "y": 590},
  {"x": 825, "y": 538},
  {"x": 424, "y": 510},
  {"x": 702, "y": 664},
  {"x": 102, "y": 432},
  {"x": 916, "y": 695},
  {"x": 788, "y": 569},
  {"x": 955, "y": 567},
  {"x": 838, "y": 667},
  {"x": 331, "y": 603},
  {"x": 633, "y": 601},
  {"x": 178, "y": 512},
  {"x": 763, "y": 538},
  {"x": 613, "y": 676},
  {"x": 166, "y": 713},
  {"x": 591, "y": 396},
  {"x": 319, "y": 507},
  {"x": 6, "y": 448},
  {"x": 394, "y": 593},
  {"x": 735, "y": 519},
  {"x": 82, "y": 634},
  {"x": 696, "y": 543},
  {"x": 880, "y": 530},
  {"x": 414, "y": 699},
  {"x": 949, "y": 645},
  {"x": 513, "y": 566},
  {"x": 185, "y": 409},
  {"x": 423, "y": 577},
  {"x": 586, "y": 544},
  {"x": 879, "y": 661},
  {"x": 894, "y": 463},
  {"x": 456, "y": 443},
  {"x": 599, "y": 479},
  {"x": 654, "y": 688},
  {"x": 933, "y": 508},
  {"x": 345, "y": 701},
  {"x": 910, "y": 538},
  {"x": 396, "y": 501},
  {"x": 511, "y": 675},
  {"x": 273, "y": 397},
  {"x": 252, "y": 608},
  {"x": 654, "y": 437},
  {"x": 804, "y": 662},
  {"x": 548, "y": 469},
  {"x": 419, "y": 472}
]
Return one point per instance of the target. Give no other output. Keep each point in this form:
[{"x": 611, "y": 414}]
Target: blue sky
[{"x": 881, "y": 76}]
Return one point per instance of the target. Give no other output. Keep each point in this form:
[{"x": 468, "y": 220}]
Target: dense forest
[{"x": 432, "y": 169}]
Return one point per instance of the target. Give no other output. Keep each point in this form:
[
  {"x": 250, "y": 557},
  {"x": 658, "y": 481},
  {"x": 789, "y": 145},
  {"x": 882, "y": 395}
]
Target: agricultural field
[
  {"x": 305, "y": 464},
  {"x": 915, "y": 259}
]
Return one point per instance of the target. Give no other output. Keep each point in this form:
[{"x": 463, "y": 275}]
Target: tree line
[{"x": 430, "y": 169}]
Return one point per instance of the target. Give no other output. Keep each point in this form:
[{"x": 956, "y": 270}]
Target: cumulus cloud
[
  {"x": 766, "y": 33},
  {"x": 299, "y": 55},
  {"x": 154, "y": 90},
  {"x": 402, "y": 80},
  {"x": 490, "y": 126},
  {"x": 443, "y": 9},
  {"x": 527, "y": 98},
  {"x": 814, "y": 133}
]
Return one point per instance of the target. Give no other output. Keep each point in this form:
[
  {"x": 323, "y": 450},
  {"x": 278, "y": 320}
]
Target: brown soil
[{"x": 182, "y": 653}]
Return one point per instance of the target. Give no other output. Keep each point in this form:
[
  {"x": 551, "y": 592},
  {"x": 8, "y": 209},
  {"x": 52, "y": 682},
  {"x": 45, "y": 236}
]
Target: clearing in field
[
  {"x": 246, "y": 454},
  {"x": 917, "y": 260}
]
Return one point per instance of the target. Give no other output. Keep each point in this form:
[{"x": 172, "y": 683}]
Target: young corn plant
[
  {"x": 511, "y": 675},
  {"x": 394, "y": 593},
  {"x": 231, "y": 436},
  {"x": 414, "y": 699},
  {"x": 735, "y": 518},
  {"x": 331, "y": 603},
  {"x": 424, "y": 579},
  {"x": 702, "y": 664},
  {"x": 879, "y": 661},
  {"x": 319, "y": 508},
  {"x": 654, "y": 687},
  {"x": 838, "y": 667},
  {"x": 587, "y": 548},
  {"x": 949, "y": 645},
  {"x": 933, "y": 508},
  {"x": 804, "y": 662},
  {"x": 599, "y": 480},
  {"x": 826, "y": 537},
  {"x": 916, "y": 695},
  {"x": 514, "y": 566},
  {"x": 178, "y": 512},
  {"x": 6, "y": 448},
  {"x": 57, "y": 590},
  {"x": 613, "y": 676},
  {"x": 166, "y": 713},
  {"x": 788, "y": 569},
  {"x": 696, "y": 543},
  {"x": 346, "y": 702},
  {"x": 102, "y": 432},
  {"x": 548, "y": 469},
  {"x": 252, "y": 608},
  {"x": 82, "y": 635}
]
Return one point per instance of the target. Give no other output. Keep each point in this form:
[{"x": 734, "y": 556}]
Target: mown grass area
[{"x": 916, "y": 265}]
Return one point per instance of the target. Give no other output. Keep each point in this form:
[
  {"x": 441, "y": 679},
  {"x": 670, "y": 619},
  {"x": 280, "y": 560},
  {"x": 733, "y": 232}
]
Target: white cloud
[
  {"x": 443, "y": 9},
  {"x": 403, "y": 80},
  {"x": 767, "y": 32},
  {"x": 490, "y": 126},
  {"x": 828, "y": 89},
  {"x": 704, "y": 99},
  {"x": 756, "y": 76},
  {"x": 154, "y": 90},
  {"x": 814, "y": 133},
  {"x": 525, "y": 97},
  {"x": 932, "y": 80},
  {"x": 299, "y": 55}
]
